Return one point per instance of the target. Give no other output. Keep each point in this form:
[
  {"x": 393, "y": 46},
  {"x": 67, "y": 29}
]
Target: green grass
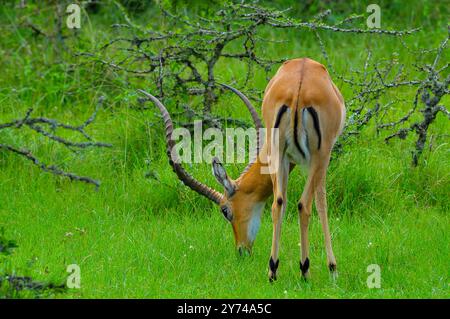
[
  {"x": 128, "y": 248},
  {"x": 151, "y": 237}
]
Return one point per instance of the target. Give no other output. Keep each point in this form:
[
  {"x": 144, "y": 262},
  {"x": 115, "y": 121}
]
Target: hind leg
[
  {"x": 321, "y": 206},
  {"x": 304, "y": 212}
]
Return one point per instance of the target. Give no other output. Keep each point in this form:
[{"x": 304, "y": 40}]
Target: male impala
[{"x": 306, "y": 110}]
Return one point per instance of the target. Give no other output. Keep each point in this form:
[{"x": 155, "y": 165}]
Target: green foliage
[
  {"x": 6, "y": 245},
  {"x": 13, "y": 286}
]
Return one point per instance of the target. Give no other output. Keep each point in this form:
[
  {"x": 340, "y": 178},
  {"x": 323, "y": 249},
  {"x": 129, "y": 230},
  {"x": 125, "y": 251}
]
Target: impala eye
[{"x": 226, "y": 212}]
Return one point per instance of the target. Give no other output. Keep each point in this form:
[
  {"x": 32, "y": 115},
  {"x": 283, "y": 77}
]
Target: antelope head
[{"x": 242, "y": 200}]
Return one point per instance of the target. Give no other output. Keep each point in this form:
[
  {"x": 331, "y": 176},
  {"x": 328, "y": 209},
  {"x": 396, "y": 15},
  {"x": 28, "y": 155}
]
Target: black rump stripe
[
  {"x": 282, "y": 110},
  {"x": 315, "y": 117}
]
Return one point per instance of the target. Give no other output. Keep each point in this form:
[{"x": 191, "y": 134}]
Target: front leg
[{"x": 278, "y": 210}]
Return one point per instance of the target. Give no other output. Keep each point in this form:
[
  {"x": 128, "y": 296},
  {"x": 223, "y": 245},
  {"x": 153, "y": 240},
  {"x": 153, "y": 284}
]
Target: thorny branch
[
  {"x": 182, "y": 61},
  {"x": 47, "y": 127},
  {"x": 378, "y": 78}
]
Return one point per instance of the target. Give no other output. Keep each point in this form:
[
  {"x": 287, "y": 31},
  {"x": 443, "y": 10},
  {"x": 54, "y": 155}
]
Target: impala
[{"x": 304, "y": 113}]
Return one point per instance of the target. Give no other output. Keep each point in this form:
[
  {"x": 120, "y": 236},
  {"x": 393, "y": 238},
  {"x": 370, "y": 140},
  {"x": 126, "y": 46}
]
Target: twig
[{"x": 37, "y": 124}]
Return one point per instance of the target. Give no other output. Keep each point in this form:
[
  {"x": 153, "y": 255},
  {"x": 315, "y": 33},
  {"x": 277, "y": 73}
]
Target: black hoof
[
  {"x": 332, "y": 267},
  {"x": 272, "y": 277},
  {"x": 305, "y": 266},
  {"x": 273, "y": 266}
]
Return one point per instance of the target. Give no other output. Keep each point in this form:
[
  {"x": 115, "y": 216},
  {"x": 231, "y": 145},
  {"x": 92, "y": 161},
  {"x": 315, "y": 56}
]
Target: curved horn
[
  {"x": 252, "y": 110},
  {"x": 174, "y": 161},
  {"x": 255, "y": 116}
]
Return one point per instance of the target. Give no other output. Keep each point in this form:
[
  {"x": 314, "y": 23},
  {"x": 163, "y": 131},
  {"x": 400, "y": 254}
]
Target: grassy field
[{"x": 141, "y": 236}]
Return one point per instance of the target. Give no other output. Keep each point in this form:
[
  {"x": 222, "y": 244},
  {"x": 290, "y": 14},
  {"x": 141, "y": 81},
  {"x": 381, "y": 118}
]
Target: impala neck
[{"x": 254, "y": 182}]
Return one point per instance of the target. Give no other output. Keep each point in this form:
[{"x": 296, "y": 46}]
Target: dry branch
[
  {"x": 380, "y": 77},
  {"x": 47, "y": 127},
  {"x": 182, "y": 61}
]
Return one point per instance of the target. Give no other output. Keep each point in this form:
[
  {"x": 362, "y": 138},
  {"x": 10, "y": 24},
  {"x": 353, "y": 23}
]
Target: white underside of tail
[{"x": 294, "y": 155}]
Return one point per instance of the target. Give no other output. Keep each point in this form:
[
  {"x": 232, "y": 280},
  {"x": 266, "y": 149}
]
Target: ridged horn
[
  {"x": 174, "y": 161},
  {"x": 255, "y": 117}
]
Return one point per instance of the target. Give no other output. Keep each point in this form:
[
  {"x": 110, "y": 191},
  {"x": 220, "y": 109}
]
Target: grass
[
  {"x": 151, "y": 237},
  {"x": 131, "y": 242},
  {"x": 127, "y": 248}
]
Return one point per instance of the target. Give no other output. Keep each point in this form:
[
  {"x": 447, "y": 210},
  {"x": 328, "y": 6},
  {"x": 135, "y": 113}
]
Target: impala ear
[{"x": 222, "y": 177}]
